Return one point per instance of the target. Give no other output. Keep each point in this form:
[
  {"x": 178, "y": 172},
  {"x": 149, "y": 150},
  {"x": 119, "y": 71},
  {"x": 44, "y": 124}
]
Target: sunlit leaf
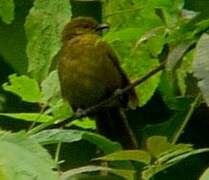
[
  {"x": 176, "y": 54},
  {"x": 7, "y": 10},
  {"x": 50, "y": 87},
  {"x": 159, "y": 147},
  {"x": 22, "y": 158},
  {"x": 50, "y": 90},
  {"x": 36, "y": 117},
  {"x": 43, "y": 29},
  {"x": 128, "y": 155},
  {"x": 205, "y": 175},
  {"x": 167, "y": 154},
  {"x": 85, "y": 123},
  {"x": 201, "y": 66},
  {"x": 25, "y": 87},
  {"x": 68, "y": 136}
]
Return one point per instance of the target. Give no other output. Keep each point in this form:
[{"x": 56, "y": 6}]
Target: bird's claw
[
  {"x": 80, "y": 112},
  {"x": 118, "y": 92}
]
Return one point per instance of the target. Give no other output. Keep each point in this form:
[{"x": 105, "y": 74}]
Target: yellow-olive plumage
[{"x": 89, "y": 72}]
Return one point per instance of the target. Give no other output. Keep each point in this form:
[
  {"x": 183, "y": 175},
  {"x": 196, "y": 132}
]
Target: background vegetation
[{"x": 171, "y": 123}]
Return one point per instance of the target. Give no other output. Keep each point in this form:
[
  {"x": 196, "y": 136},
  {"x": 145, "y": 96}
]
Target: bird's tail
[{"x": 113, "y": 124}]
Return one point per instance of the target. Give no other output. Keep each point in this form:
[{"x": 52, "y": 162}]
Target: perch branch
[{"x": 113, "y": 97}]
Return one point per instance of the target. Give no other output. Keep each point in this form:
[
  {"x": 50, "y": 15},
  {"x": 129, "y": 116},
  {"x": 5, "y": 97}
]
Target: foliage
[
  {"x": 32, "y": 161},
  {"x": 144, "y": 34}
]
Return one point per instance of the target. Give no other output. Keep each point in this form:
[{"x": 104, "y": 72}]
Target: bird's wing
[{"x": 133, "y": 99}]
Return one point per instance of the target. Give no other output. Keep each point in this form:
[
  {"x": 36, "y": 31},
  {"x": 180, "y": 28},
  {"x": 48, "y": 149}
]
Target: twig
[
  {"x": 37, "y": 118},
  {"x": 57, "y": 154},
  {"x": 186, "y": 120},
  {"x": 113, "y": 97}
]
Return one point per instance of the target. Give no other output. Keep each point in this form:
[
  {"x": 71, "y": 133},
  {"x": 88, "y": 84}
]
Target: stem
[
  {"x": 38, "y": 117},
  {"x": 57, "y": 153},
  {"x": 186, "y": 120},
  {"x": 40, "y": 127}
]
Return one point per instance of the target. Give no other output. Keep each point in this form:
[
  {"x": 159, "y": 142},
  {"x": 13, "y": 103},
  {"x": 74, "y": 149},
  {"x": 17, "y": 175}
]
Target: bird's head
[{"x": 82, "y": 25}]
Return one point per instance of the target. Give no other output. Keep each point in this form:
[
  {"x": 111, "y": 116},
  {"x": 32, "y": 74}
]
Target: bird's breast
[{"x": 87, "y": 75}]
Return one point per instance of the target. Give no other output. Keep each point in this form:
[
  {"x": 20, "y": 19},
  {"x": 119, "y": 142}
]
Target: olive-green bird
[{"x": 89, "y": 72}]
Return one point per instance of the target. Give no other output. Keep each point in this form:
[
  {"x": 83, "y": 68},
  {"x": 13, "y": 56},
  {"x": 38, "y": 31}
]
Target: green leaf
[
  {"x": 170, "y": 160},
  {"x": 201, "y": 66},
  {"x": 126, "y": 34},
  {"x": 43, "y": 29},
  {"x": 128, "y": 155},
  {"x": 68, "y": 136},
  {"x": 7, "y": 10},
  {"x": 156, "y": 145},
  {"x": 159, "y": 147},
  {"x": 167, "y": 154},
  {"x": 36, "y": 117},
  {"x": 85, "y": 123},
  {"x": 50, "y": 90},
  {"x": 127, "y": 174},
  {"x": 137, "y": 66},
  {"x": 176, "y": 54},
  {"x": 187, "y": 154},
  {"x": 60, "y": 109},
  {"x": 178, "y": 4},
  {"x": 144, "y": 27},
  {"x": 50, "y": 87},
  {"x": 23, "y": 159},
  {"x": 202, "y": 26},
  {"x": 25, "y": 87},
  {"x": 205, "y": 175}
]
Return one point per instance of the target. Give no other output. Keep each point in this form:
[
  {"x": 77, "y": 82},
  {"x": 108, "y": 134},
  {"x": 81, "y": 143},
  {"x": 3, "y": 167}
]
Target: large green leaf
[
  {"x": 85, "y": 123},
  {"x": 50, "y": 90},
  {"x": 201, "y": 66},
  {"x": 58, "y": 135},
  {"x": 160, "y": 148},
  {"x": 7, "y": 10},
  {"x": 136, "y": 60},
  {"x": 176, "y": 54},
  {"x": 50, "y": 87},
  {"x": 25, "y": 87},
  {"x": 138, "y": 37},
  {"x": 167, "y": 154},
  {"x": 36, "y": 117},
  {"x": 43, "y": 29},
  {"x": 23, "y": 159},
  {"x": 128, "y": 155},
  {"x": 205, "y": 175}
]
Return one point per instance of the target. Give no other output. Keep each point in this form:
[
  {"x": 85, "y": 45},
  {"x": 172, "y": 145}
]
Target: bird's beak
[{"x": 100, "y": 27}]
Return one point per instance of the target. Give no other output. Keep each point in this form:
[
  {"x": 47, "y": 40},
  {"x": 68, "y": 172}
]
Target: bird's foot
[
  {"x": 118, "y": 92},
  {"x": 80, "y": 112}
]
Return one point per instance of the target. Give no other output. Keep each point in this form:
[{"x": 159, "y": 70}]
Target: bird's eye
[{"x": 86, "y": 26}]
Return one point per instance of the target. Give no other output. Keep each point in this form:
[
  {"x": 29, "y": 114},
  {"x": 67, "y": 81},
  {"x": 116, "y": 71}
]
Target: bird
[{"x": 89, "y": 72}]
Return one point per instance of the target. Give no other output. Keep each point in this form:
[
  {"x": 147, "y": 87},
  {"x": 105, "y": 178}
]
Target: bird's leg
[
  {"x": 80, "y": 112},
  {"x": 118, "y": 92}
]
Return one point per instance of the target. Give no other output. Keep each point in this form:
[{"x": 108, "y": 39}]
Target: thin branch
[
  {"x": 187, "y": 118},
  {"x": 113, "y": 97},
  {"x": 57, "y": 155}
]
